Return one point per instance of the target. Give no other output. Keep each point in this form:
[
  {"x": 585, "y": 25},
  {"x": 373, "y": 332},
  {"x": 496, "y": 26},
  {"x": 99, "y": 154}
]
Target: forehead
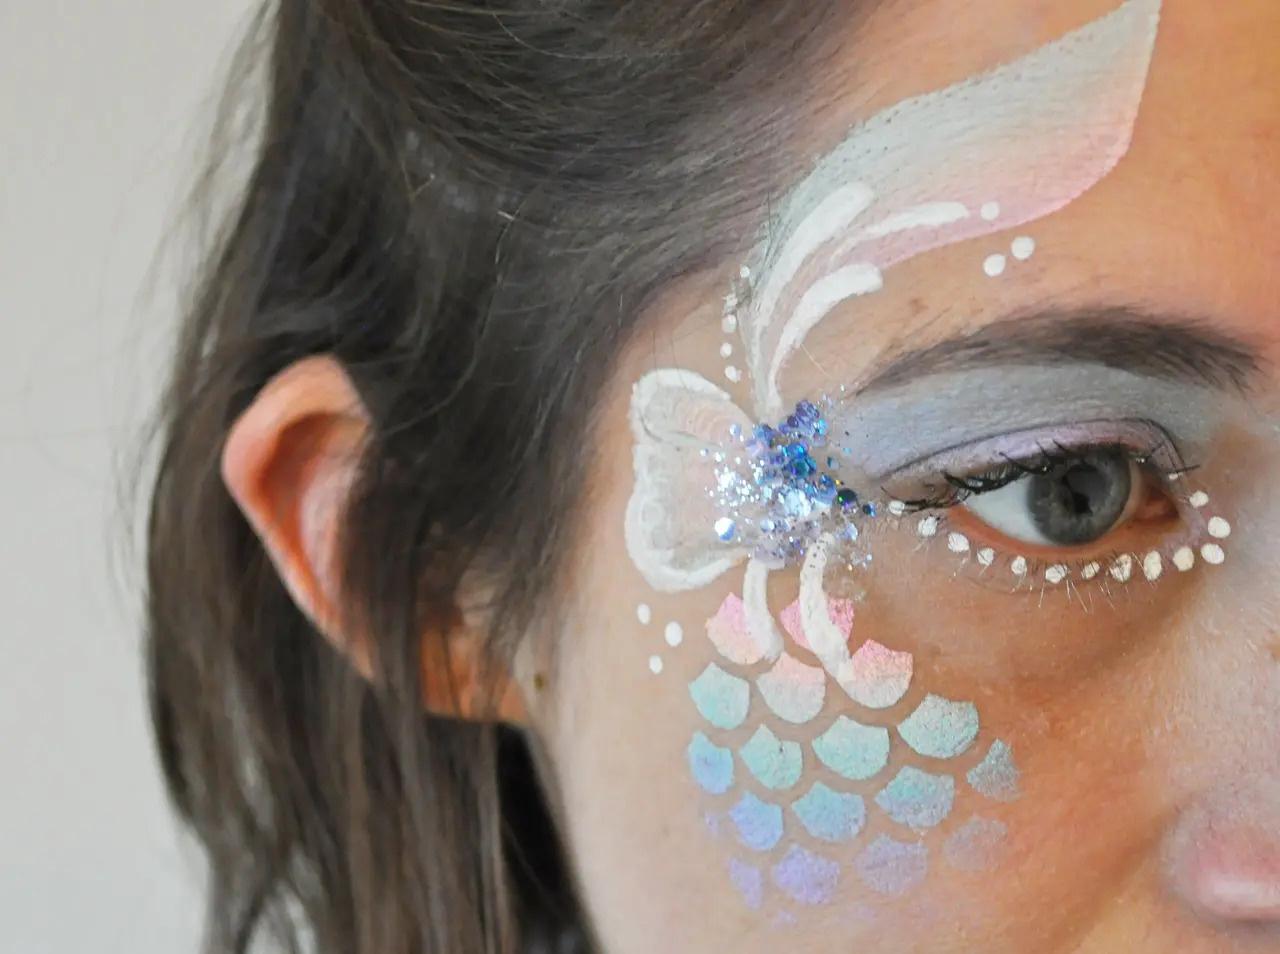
[{"x": 1186, "y": 222}]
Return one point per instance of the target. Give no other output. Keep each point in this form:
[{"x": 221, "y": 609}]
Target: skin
[{"x": 1149, "y": 818}]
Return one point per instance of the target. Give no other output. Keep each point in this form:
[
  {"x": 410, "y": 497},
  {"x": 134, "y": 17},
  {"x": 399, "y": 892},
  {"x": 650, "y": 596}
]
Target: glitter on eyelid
[
  {"x": 712, "y": 766},
  {"x": 759, "y": 824},
  {"x": 722, "y": 699},
  {"x": 806, "y": 877},
  {"x": 795, "y": 692},
  {"x": 776, "y": 764},
  {"x": 892, "y": 867},
  {"x": 940, "y": 728},
  {"x": 918, "y": 799},
  {"x": 852, "y": 750},
  {"x": 829, "y": 815}
]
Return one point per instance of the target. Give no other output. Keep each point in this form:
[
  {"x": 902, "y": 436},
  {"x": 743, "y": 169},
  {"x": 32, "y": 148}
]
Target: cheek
[{"x": 713, "y": 795}]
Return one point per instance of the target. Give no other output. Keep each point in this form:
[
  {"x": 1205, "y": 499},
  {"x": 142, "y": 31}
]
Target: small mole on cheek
[{"x": 539, "y": 682}]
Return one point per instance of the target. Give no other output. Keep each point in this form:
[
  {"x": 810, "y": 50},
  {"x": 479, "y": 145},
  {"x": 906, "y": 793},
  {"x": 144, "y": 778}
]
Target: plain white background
[{"x": 101, "y": 107}]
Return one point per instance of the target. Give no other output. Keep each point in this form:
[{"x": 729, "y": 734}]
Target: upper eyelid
[{"x": 1145, "y": 438}]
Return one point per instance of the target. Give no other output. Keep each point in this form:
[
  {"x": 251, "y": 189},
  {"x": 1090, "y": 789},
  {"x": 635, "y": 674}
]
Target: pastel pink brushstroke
[
  {"x": 1032, "y": 135},
  {"x": 875, "y": 676},
  {"x": 727, "y": 630},
  {"x": 841, "y": 612}
]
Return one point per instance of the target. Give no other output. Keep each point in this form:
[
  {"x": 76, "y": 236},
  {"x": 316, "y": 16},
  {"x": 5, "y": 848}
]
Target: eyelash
[
  {"x": 1201, "y": 540},
  {"x": 959, "y": 488}
]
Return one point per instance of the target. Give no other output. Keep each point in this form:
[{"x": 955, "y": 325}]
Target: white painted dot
[
  {"x": 1090, "y": 570},
  {"x": 644, "y": 614},
  {"x": 655, "y": 664},
  {"x": 726, "y": 350},
  {"x": 990, "y": 211},
  {"x": 986, "y": 556},
  {"x": 1184, "y": 559},
  {"x": 897, "y": 508},
  {"x": 1019, "y": 566},
  {"x": 1023, "y": 247},
  {"x": 1055, "y": 574},
  {"x": 733, "y": 374},
  {"x": 744, "y": 272},
  {"x": 674, "y": 634},
  {"x": 928, "y": 527},
  {"x": 1153, "y": 566},
  {"x": 958, "y": 543},
  {"x": 1122, "y": 568},
  {"x": 1199, "y": 499},
  {"x": 729, "y": 324},
  {"x": 1213, "y": 554},
  {"x": 1219, "y": 529},
  {"x": 994, "y": 266}
]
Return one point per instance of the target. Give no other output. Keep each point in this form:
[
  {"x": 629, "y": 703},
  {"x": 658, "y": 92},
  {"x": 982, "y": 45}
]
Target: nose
[{"x": 1223, "y": 855}]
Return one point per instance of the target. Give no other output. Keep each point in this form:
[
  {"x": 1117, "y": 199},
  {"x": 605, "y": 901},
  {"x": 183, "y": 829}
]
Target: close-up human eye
[{"x": 643, "y": 477}]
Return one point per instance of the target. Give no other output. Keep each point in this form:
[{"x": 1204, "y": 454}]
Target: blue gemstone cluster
[{"x": 775, "y": 496}]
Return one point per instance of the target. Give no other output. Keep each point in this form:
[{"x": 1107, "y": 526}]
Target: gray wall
[{"x": 100, "y": 103}]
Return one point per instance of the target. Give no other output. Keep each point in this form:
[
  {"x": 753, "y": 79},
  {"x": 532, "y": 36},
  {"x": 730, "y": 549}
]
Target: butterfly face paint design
[{"x": 821, "y": 748}]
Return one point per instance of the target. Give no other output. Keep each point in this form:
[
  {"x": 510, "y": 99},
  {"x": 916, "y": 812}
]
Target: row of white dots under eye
[{"x": 1121, "y": 568}]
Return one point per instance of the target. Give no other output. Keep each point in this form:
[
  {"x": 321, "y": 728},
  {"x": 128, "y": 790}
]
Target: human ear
[{"x": 290, "y": 463}]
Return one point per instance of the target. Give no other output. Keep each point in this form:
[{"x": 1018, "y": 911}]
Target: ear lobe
[{"x": 290, "y": 462}]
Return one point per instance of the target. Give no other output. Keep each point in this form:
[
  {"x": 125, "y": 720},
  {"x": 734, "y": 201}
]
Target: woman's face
[{"x": 1030, "y": 704}]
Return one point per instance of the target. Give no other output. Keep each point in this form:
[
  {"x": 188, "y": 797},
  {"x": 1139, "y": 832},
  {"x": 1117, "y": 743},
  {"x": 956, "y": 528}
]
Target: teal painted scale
[{"x": 797, "y": 770}]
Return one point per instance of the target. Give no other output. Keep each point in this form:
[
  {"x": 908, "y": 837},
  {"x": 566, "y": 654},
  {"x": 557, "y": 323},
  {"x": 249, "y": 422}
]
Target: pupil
[{"x": 1080, "y": 501}]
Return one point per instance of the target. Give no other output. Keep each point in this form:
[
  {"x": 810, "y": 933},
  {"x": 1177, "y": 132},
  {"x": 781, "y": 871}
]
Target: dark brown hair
[{"x": 468, "y": 204}]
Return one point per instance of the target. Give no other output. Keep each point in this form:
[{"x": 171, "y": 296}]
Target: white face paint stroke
[
  {"x": 841, "y": 209},
  {"x": 931, "y": 215},
  {"x": 760, "y": 623},
  {"x": 1039, "y": 132},
  {"x": 826, "y": 639},
  {"x": 675, "y": 416},
  {"x": 852, "y": 281}
]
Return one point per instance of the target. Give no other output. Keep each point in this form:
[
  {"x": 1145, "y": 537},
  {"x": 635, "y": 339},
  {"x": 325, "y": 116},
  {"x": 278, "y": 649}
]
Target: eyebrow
[{"x": 1128, "y": 339}]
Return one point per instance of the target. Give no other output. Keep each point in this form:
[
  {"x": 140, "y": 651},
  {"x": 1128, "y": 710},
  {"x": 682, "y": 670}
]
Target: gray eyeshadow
[{"x": 889, "y": 429}]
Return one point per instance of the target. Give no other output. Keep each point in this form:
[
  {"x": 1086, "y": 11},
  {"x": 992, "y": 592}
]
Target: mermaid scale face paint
[{"x": 824, "y": 747}]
